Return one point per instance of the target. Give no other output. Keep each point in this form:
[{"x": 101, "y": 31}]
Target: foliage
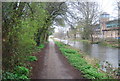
[
  {"x": 68, "y": 51},
  {"x": 20, "y": 32},
  {"x": 9, "y": 75},
  {"x": 32, "y": 58},
  {"x": 19, "y": 73},
  {"x": 26, "y": 27},
  {"x": 80, "y": 63},
  {"x": 41, "y": 46},
  {"x": 20, "y": 70}
]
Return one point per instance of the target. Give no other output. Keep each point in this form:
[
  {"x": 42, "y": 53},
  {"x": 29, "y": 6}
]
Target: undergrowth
[
  {"x": 22, "y": 70},
  {"x": 32, "y": 58}
]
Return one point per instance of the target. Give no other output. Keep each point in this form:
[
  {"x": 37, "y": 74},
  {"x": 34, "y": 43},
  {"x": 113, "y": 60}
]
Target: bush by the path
[
  {"x": 32, "y": 58},
  {"x": 19, "y": 72}
]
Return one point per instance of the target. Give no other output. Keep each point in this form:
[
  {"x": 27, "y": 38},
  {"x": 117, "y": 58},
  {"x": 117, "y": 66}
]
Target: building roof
[{"x": 105, "y": 13}]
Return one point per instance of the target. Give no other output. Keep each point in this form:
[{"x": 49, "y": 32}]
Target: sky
[{"x": 109, "y": 6}]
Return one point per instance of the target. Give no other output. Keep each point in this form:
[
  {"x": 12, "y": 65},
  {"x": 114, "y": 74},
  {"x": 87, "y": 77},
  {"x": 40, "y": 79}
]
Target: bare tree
[{"x": 89, "y": 12}]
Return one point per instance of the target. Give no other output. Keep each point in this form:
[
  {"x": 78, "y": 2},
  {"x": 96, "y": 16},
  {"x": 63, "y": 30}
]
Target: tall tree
[{"x": 89, "y": 12}]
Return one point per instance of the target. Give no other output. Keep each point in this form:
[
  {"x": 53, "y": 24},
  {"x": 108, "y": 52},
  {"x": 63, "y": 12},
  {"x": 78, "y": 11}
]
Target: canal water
[{"x": 100, "y": 52}]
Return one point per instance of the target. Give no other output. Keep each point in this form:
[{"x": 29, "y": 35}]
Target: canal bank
[
  {"x": 107, "y": 56},
  {"x": 99, "y": 51},
  {"x": 78, "y": 60}
]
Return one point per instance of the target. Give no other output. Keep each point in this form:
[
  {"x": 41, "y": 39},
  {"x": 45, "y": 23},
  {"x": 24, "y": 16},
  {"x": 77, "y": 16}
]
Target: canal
[{"x": 100, "y": 52}]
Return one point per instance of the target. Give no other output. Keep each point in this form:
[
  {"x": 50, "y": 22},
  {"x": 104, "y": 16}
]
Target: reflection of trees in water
[
  {"x": 67, "y": 42},
  {"x": 89, "y": 49},
  {"x": 74, "y": 42},
  {"x": 86, "y": 47}
]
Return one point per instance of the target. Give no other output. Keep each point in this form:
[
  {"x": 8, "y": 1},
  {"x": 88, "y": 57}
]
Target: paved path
[{"x": 54, "y": 65}]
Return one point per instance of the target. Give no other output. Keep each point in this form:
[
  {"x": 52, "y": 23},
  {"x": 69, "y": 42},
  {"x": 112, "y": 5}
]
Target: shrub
[
  {"x": 15, "y": 76},
  {"x": 41, "y": 46},
  {"x": 23, "y": 77},
  {"x": 9, "y": 75},
  {"x": 32, "y": 58},
  {"x": 68, "y": 50},
  {"x": 20, "y": 70}
]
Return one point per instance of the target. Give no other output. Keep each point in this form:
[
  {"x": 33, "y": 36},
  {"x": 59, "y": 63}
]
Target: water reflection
[{"x": 100, "y": 52}]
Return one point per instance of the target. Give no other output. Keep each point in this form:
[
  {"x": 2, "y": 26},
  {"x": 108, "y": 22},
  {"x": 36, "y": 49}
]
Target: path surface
[{"x": 53, "y": 65}]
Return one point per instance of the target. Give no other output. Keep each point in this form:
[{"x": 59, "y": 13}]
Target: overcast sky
[{"x": 109, "y": 6}]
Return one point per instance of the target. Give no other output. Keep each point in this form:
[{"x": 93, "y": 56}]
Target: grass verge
[{"x": 76, "y": 59}]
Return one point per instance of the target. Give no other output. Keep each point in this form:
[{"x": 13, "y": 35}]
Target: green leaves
[
  {"x": 26, "y": 26},
  {"x": 9, "y": 75},
  {"x": 80, "y": 63},
  {"x": 68, "y": 50},
  {"x": 20, "y": 72},
  {"x": 20, "y": 27},
  {"x": 32, "y": 58},
  {"x": 41, "y": 46}
]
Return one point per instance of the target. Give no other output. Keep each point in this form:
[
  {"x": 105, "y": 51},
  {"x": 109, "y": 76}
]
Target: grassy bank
[{"x": 76, "y": 59}]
